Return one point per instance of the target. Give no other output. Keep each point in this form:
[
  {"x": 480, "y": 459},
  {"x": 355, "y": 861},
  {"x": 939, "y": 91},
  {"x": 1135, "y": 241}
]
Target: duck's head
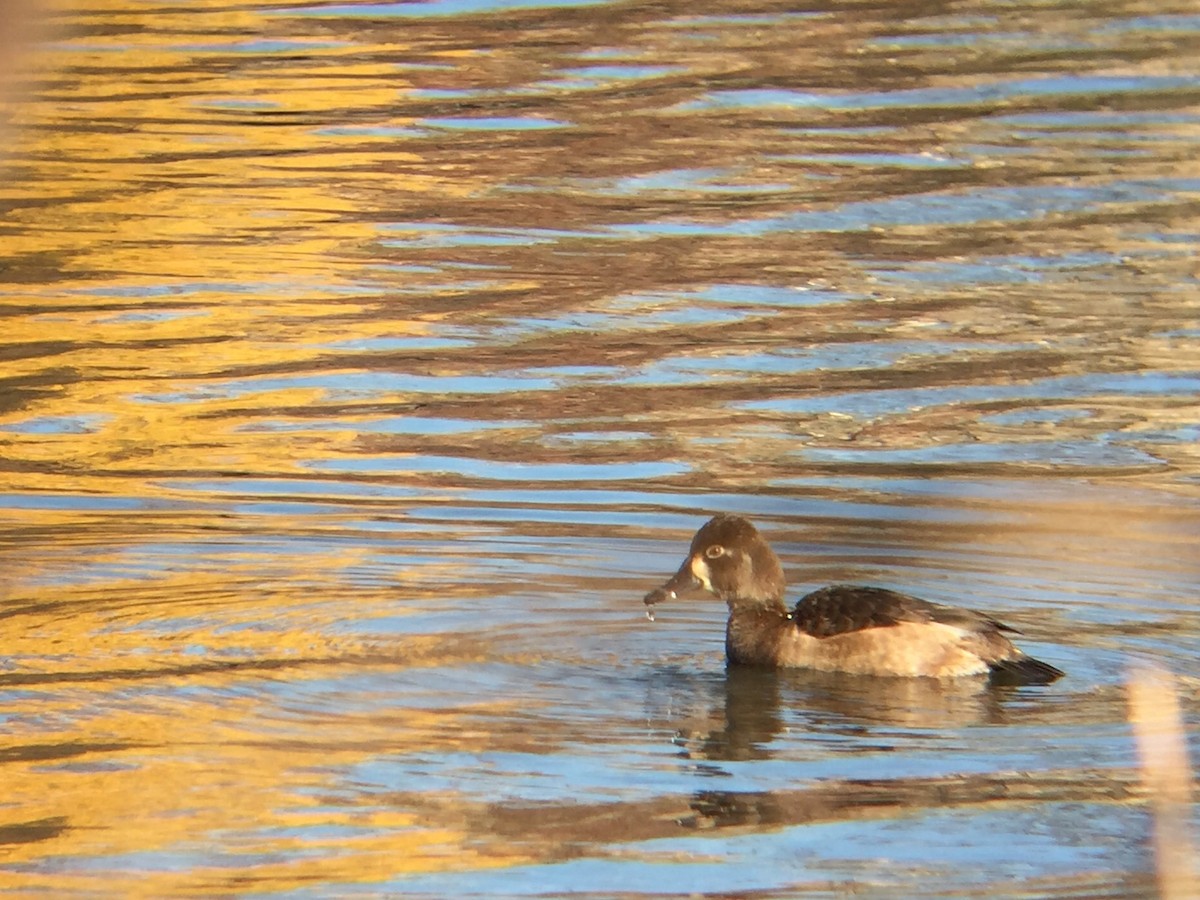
[{"x": 729, "y": 558}]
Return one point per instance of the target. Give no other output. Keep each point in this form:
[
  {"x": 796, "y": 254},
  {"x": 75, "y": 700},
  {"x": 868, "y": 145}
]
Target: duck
[{"x": 845, "y": 628}]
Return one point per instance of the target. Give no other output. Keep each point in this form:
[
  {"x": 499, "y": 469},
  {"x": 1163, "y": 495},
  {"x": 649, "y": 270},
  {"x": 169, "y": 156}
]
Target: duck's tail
[{"x": 1022, "y": 669}]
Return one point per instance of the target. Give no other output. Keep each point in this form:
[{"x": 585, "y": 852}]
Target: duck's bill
[{"x": 682, "y": 580}]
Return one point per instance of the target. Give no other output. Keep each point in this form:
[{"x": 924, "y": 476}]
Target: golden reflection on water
[
  {"x": 150, "y": 782},
  {"x": 358, "y": 371}
]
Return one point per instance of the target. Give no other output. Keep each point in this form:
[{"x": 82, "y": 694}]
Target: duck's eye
[{"x": 714, "y": 551}]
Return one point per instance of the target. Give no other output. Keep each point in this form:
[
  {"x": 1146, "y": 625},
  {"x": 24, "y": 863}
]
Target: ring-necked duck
[{"x": 842, "y": 628}]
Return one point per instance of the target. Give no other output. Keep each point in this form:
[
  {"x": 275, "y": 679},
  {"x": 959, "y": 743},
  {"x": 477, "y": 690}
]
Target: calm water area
[{"x": 363, "y": 364}]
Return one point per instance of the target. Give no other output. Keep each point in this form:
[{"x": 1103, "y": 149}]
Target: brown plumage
[{"x": 842, "y": 628}]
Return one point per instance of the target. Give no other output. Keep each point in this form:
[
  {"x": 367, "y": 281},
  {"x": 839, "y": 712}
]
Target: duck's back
[{"x": 845, "y": 608}]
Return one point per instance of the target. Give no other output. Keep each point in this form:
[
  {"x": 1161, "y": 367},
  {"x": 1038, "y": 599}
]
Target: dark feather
[
  {"x": 1023, "y": 670},
  {"x": 843, "y": 608}
]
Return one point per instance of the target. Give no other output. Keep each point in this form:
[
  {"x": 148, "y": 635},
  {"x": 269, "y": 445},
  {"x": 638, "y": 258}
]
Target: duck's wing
[{"x": 843, "y": 608}]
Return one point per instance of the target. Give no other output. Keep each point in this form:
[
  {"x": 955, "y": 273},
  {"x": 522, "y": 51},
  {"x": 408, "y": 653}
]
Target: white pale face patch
[{"x": 701, "y": 572}]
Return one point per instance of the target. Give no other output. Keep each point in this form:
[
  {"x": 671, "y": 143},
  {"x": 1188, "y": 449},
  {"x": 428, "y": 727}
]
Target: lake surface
[{"x": 363, "y": 365}]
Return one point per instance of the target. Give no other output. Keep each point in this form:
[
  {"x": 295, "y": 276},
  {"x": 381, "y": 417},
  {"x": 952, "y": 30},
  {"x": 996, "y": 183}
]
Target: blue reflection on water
[
  {"x": 500, "y": 470},
  {"x": 918, "y": 98},
  {"x": 868, "y": 404},
  {"x": 86, "y": 423},
  {"x": 492, "y": 123}
]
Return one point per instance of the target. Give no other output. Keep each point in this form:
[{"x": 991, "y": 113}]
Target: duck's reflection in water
[
  {"x": 741, "y": 715},
  {"x": 812, "y": 724}
]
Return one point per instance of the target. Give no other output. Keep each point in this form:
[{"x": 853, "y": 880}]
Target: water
[{"x": 363, "y": 365}]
